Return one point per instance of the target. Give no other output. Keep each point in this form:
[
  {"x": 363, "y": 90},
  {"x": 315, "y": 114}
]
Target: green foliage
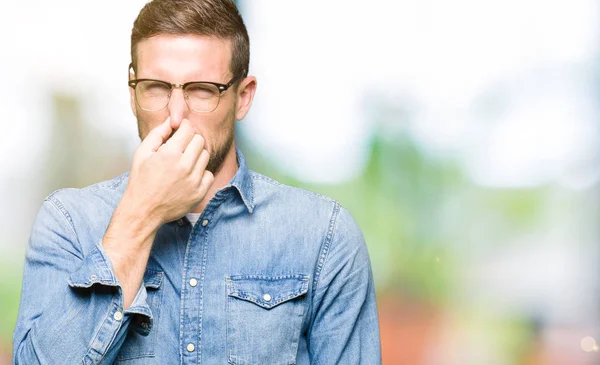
[
  {"x": 418, "y": 214},
  {"x": 10, "y": 291},
  {"x": 395, "y": 201}
]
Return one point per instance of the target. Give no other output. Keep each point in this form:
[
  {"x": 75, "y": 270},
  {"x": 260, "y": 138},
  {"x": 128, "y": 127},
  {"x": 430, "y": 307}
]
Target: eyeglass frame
[{"x": 221, "y": 87}]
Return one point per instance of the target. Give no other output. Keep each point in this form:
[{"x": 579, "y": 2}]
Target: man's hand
[{"x": 168, "y": 177}]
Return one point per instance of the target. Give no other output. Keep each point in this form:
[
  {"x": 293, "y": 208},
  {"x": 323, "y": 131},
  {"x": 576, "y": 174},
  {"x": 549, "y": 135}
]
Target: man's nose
[{"x": 178, "y": 109}]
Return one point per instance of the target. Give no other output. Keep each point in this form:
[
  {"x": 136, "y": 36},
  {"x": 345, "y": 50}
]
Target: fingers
[
  {"x": 182, "y": 137},
  {"x": 202, "y": 161},
  {"x": 206, "y": 177},
  {"x": 206, "y": 182},
  {"x": 157, "y": 136},
  {"x": 193, "y": 150}
]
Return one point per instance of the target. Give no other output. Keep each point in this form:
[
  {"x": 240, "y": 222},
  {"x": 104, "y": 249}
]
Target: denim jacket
[{"x": 269, "y": 275}]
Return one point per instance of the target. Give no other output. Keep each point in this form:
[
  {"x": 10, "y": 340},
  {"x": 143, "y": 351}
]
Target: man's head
[{"x": 182, "y": 41}]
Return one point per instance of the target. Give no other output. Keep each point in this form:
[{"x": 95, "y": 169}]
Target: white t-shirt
[{"x": 193, "y": 218}]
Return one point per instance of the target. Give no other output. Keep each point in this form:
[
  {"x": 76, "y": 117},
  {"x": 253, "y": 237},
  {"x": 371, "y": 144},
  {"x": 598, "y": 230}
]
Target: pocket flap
[
  {"x": 267, "y": 291},
  {"x": 153, "y": 278}
]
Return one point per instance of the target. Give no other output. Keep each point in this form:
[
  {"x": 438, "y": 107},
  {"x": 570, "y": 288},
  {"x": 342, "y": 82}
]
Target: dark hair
[{"x": 213, "y": 18}]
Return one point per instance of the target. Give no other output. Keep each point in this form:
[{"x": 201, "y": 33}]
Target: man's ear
[{"x": 245, "y": 95}]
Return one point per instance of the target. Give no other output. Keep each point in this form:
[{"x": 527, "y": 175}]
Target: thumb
[{"x": 157, "y": 136}]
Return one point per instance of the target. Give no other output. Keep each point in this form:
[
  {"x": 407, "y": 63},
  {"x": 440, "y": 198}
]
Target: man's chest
[{"x": 234, "y": 296}]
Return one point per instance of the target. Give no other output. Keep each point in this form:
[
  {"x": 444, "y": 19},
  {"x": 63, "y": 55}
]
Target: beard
[
  {"x": 222, "y": 144},
  {"x": 219, "y": 152}
]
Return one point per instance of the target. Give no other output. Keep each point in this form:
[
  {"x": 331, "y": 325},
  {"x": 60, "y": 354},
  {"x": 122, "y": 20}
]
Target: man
[{"x": 191, "y": 258}]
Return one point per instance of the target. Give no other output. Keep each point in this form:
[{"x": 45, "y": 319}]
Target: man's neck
[{"x": 222, "y": 178}]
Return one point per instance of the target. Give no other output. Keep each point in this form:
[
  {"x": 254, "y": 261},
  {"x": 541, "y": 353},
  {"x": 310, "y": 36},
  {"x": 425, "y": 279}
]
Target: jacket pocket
[
  {"x": 140, "y": 341},
  {"x": 264, "y": 318}
]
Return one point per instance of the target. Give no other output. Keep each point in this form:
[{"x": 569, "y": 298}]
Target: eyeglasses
[{"x": 200, "y": 96}]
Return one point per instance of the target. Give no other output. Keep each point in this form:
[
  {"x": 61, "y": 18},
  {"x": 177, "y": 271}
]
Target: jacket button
[
  {"x": 267, "y": 297},
  {"x": 190, "y": 347}
]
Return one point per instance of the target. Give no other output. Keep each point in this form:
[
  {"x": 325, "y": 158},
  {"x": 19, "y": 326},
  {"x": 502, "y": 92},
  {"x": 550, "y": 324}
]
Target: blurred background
[{"x": 462, "y": 135}]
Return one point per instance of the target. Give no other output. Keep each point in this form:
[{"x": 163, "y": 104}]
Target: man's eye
[
  {"x": 154, "y": 88},
  {"x": 201, "y": 91}
]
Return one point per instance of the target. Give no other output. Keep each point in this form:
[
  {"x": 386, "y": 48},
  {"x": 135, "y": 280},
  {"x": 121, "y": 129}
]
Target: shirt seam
[
  {"x": 60, "y": 208},
  {"x": 57, "y": 204},
  {"x": 325, "y": 247},
  {"x": 257, "y": 176},
  {"x": 104, "y": 351},
  {"x": 112, "y": 184}
]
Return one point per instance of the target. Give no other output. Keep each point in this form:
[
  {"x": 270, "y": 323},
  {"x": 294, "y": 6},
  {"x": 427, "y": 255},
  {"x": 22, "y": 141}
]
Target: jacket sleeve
[
  {"x": 345, "y": 327},
  {"x": 71, "y": 309}
]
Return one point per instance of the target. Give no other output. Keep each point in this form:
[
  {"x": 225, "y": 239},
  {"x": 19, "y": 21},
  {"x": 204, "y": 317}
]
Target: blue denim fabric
[{"x": 282, "y": 276}]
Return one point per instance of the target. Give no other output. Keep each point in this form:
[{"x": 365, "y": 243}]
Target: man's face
[{"x": 181, "y": 59}]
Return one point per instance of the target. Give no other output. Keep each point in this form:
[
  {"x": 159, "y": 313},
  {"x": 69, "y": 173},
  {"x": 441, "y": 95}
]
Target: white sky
[{"x": 316, "y": 61}]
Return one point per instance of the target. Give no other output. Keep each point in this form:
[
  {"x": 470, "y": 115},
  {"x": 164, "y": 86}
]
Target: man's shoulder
[
  {"x": 300, "y": 203},
  {"x": 268, "y": 188},
  {"x": 307, "y": 212},
  {"x": 98, "y": 196}
]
